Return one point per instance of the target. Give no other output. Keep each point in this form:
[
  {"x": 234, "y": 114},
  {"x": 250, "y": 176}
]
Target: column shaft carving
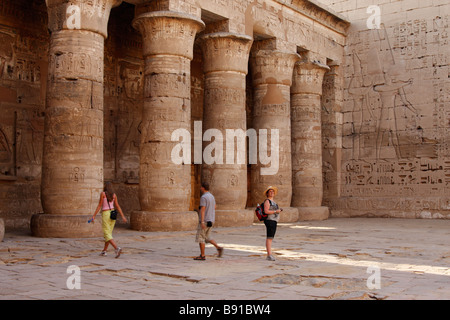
[
  {"x": 307, "y": 141},
  {"x": 272, "y": 78},
  {"x": 72, "y": 169},
  {"x": 165, "y": 187},
  {"x": 225, "y": 66}
]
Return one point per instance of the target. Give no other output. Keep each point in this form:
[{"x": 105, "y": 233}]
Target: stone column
[
  {"x": 72, "y": 168},
  {"x": 272, "y": 79},
  {"x": 225, "y": 58},
  {"x": 307, "y": 188},
  {"x": 165, "y": 186}
]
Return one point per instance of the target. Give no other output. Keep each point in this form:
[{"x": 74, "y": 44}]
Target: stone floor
[{"x": 358, "y": 258}]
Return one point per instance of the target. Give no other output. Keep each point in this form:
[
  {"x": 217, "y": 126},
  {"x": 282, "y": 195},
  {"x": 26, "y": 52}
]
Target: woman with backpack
[{"x": 273, "y": 214}]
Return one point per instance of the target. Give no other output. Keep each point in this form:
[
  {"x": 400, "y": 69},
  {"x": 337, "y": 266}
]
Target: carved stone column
[
  {"x": 72, "y": 169},
  {"x": 165, "y": 186},
  {"x": 272, "y": 79},
  {"x": 225, "y": 66},
  {"x": 307, "y": 189}
]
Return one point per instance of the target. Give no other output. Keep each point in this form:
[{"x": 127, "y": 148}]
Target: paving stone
[{"x": 409, "y": 267}]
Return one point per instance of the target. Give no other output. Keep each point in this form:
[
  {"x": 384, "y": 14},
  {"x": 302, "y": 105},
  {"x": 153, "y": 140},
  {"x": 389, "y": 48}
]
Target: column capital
[
  {"x": 272, "y": 66},
  {"x": 334, "y": 69},
  {"x": 308, "y": 77},
  {"x": 80, "y": 15},
  {"x": 312, "y": 65},
  {"x": 225, "y": 51},
  {"x": 168, "y": 32}
]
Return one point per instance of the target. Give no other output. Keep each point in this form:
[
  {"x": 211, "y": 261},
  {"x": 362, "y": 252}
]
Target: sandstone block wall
[
  {"x": 395, "y": 159},
  {"x": 23, "y": 72},
  {"x": 369, "y": 105},
  {"x": 28, "y": 52}
]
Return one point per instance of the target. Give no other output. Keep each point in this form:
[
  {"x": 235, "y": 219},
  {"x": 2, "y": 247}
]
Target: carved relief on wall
[
  {"x": 395, "y": 132},
  {"x": 22, "y": 84},
  {"x": 131, "y": 80},
  {"x": 382, "y": 113},
  {"x": 22, "y": 56},
  {"x": 123, "y": 92},
  {"x": 29, "y": 141},
  {"x": 6, "y": 52},
  {"x": 6, "y": 153}
]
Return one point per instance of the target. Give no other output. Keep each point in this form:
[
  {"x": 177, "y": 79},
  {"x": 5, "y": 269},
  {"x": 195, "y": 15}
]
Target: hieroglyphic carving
[
  {"x": 382, "y": 107},
  {"x": 316, "y": 11},
  {"x": 272, "y": 76},
  {"x": 266, "y": 20},
  {"x": 123, "y": 114},
  {"x": 224, "y": 108},
  {"x": 306, "y": 135},
  {"x": 167, "y": 83},
  {"x": 223, "y": 95},
  {"x": 168, "y": 41},
  {"x": 395, "y": 178},
  {"x": 77, "y": 175},
  {"x": 6, "y": 152},
  {"x": 73, "y": 144},
  {"x": 7, "y": 54},
  {"x": 22, "y": 57},
  {"x": 83, "y": 61},
  {"x": 30, "y": 129},
  {"x": 396, "y": 123}
]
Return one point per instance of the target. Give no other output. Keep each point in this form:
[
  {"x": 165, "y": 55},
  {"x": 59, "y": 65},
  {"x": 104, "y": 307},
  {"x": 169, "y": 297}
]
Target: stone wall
[
  {"x": 395, "y": 159},
  {"x": 376, "y": 93},
  {"x": 56, "y": 73},
  {"x": 23, "y": 73},
  {"x": 123, "y": 101},
  {"x": 23, "y": 82}
]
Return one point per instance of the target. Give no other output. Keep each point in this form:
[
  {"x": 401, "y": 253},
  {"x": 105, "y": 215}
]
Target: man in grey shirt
[{"x": 207, "y": 216}]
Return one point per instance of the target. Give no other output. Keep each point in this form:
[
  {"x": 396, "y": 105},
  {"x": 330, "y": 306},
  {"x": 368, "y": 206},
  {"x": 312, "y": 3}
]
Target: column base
[
  {"x": 64, "y": 226},
  {"x": 163, "y": 221},
  {"x": 313, "y": 213},
  {"x": 234, "y": 218},
  {"x": 289, "y": 214},
  {"x": 2, "y": 229}
]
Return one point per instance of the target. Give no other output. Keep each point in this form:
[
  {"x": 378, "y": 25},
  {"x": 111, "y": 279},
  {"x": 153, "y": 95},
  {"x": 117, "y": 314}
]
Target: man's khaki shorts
[{"x": 203, "y": 235}]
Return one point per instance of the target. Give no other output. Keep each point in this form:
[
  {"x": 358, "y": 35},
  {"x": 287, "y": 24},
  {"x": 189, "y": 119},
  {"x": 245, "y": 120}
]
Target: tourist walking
[
  {"x": 108, "y": 203},
  {"x": 207, "y": 216},
  {"x": 273, "y": 215}
]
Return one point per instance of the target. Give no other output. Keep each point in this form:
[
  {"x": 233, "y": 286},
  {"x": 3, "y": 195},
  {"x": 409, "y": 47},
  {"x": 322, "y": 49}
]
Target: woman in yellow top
[{"x": 108, "y": 201}]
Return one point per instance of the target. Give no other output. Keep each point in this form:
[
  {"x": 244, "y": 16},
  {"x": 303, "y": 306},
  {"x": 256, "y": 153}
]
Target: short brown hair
[{"x": 205, "y": 185}]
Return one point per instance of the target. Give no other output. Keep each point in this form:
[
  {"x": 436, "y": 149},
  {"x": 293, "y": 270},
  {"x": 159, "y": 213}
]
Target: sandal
[
  {"x": 200, "y": 258},
  {"x": 220, "y": 252},
  {"x": 118, "y": 252}
]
